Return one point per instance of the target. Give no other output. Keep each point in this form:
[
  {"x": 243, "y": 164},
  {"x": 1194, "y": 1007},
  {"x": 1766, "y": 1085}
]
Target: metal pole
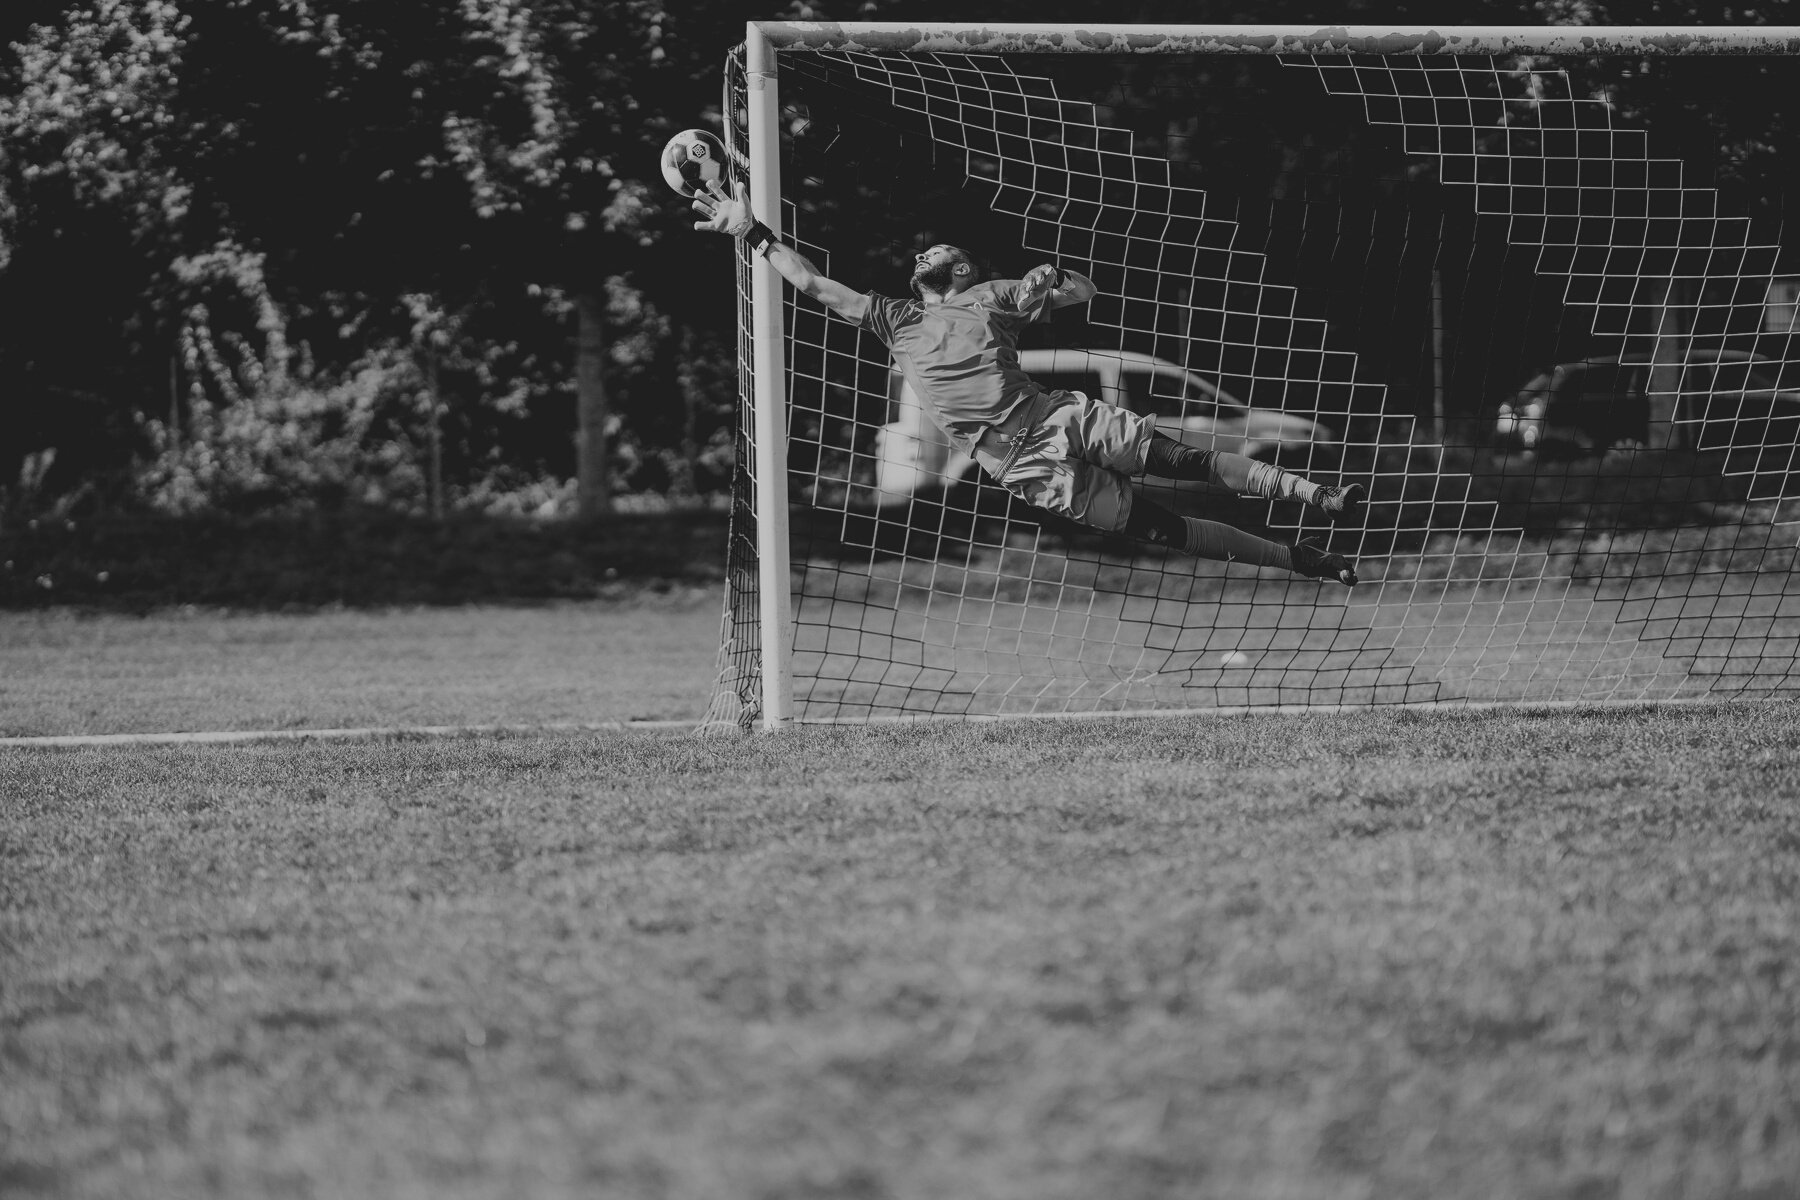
[
  {"x": 769, "y": 367},
  {"x": 1019, "y": 38},
  {"x": 1437, "y": 351}
]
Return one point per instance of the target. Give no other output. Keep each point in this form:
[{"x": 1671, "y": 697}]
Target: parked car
[
  {"x": 1724, "y": 399},
  {"x": 913, "y": 457}
]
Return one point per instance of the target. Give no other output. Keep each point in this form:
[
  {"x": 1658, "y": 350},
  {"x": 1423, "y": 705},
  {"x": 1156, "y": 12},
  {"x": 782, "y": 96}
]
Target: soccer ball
[{"x": 692, "y": 159}]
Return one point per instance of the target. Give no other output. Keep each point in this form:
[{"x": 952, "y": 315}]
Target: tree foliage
[
  {"x": 261, "y": 175},
  {"x": 221, "y": 219}
]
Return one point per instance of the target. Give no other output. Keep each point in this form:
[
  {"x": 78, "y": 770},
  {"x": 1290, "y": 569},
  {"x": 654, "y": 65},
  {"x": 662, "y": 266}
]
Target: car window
[
  {"x": 1140, "y": 397},
  {"x": 1572, "y": 385},
  {"x": 1730, "y": 377},
  {"x": 1155, "y": 393},
  {"x": 1539, "y": 385},
  {"x": 1743, "y": 376},
  {"x": 1167, "y": 394},
  {"x": 1698, "y": 378},
  {"x": 1594, "y": 383},
  {"x": 1201, "y": 401},
  {"x": 1601, "y": 383},
  {"x": 1784, "y": 374},
  {"x": 1070, "y": 381}
]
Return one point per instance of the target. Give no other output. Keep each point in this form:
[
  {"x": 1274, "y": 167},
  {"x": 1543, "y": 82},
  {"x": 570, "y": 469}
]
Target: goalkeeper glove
[{"x": 730, "y": 213}]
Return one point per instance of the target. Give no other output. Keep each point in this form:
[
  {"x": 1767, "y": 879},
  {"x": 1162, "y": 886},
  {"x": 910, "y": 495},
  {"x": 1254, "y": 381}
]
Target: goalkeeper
[{"x": 957, "y": 344}]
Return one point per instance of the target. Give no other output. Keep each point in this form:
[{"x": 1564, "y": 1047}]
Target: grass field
[
  {"x": 1382, "y": 954},
  {"x": 648, "y": 658},
  {"x": 1647, "y": 616}
]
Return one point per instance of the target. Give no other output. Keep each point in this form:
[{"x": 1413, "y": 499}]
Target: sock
[
  {"x": 1171, "y": 459},
  {"x": 1227, "y": 543},
  {"x": 1150, "y": 522},
  {"x": 1277, "y": 484}
]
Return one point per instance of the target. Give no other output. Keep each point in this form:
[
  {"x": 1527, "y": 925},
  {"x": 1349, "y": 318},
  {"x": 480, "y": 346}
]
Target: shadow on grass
[{"x": 133, "y": 563}]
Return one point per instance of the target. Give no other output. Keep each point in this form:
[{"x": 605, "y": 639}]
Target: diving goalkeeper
[{"x": 956, "y": 342}]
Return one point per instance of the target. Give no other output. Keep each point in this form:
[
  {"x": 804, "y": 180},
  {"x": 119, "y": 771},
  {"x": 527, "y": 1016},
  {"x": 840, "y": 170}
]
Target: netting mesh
[{"x": 1349, "y": 280}]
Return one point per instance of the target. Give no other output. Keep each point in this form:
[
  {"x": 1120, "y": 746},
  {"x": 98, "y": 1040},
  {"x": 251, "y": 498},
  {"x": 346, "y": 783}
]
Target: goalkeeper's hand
[
  {"x": 725, "y": 212},
  {"x": 1039, "y": 282}
]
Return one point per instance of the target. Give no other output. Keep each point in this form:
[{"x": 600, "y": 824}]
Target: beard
[{"x": 932, "y": 279}]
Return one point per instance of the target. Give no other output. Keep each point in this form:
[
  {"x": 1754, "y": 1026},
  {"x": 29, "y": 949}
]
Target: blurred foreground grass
[{"x": 1386, "y": 954}]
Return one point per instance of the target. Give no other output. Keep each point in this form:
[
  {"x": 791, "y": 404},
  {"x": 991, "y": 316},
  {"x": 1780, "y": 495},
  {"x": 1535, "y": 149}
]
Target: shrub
[{"x": 295, "y": 440}]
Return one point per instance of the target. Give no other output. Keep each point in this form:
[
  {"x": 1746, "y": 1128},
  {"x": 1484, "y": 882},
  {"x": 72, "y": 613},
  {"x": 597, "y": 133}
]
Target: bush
[
  {"x": 293, "y": 442},
  {"x": 354, "y": 558}
]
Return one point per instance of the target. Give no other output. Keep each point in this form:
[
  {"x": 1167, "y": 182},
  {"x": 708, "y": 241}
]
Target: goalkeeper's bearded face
[{"x": 942, "y": 267}]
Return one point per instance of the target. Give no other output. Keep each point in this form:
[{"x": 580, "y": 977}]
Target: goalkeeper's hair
[{"x": 976, "y": 274}]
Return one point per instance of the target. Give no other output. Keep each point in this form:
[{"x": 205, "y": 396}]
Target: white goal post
[{"x": 1626, "y": 579}]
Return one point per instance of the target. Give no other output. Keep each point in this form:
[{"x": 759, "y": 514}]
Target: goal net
[{"x": 1515, "y": 285}]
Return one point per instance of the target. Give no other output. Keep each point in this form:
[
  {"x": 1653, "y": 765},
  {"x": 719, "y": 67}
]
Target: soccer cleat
[
  {"x": 1340, "y": 502},
  {"x": 1315, "y": 562}
]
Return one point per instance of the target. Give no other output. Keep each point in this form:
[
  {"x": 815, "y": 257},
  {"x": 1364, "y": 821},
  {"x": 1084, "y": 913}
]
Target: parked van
[{"x": 913, "y": 457}]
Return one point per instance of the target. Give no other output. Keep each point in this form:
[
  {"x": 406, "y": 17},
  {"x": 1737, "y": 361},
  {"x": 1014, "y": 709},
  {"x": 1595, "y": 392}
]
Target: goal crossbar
[{"x": 896, "y": 37}]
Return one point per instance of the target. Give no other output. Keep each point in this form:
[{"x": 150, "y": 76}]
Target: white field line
[
  {"x": 301, "y": 735},
  {"x": 224, "y": 736},
  {"x": 1294, "y": 710}
]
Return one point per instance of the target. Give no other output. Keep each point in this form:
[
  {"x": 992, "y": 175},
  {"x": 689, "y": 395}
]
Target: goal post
[
  {"x": 1366, "y": 269},
  {"x": 769, "y": 372}
]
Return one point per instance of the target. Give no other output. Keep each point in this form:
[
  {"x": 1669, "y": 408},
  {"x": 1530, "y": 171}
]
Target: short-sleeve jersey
[{"x": 961, "y": 355}]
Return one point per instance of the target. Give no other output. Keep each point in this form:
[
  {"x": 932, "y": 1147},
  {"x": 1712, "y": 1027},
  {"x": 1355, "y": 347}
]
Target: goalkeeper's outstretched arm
[
  {"x": 731, "y": 214},
  {"x": 1060, "y": 287}
]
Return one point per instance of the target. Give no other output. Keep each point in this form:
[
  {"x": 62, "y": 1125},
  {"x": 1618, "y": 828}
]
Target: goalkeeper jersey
[{"x": 962, "y": 355}]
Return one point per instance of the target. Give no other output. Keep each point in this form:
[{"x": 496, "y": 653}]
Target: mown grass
[
  {"x": 647, "y": 656},
  {"x": 1385, "y": 954}
]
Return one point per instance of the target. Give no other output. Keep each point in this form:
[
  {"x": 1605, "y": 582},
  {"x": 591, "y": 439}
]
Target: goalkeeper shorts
[{"x": 1070, "y": 455}]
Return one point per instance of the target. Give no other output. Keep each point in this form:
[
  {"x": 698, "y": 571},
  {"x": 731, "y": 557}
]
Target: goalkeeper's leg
[
  {"x": 1065, "y": 468},
  {"x": 1171, "y": 459},
  {"x": 1151, "y": 522}
]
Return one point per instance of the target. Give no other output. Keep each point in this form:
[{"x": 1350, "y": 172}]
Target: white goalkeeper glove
[
  {"x": 1039, "y": 282},
  {"x": 730, "y": 213}
]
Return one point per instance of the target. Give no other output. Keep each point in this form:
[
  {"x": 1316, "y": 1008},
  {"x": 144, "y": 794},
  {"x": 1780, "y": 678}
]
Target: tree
[
  {"x": 296, "y": 169},
  {"x": 473, "y": 184}
]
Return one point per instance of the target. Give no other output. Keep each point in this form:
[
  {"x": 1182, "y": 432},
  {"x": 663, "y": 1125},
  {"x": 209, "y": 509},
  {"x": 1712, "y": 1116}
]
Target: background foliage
[{"x": 268, "y": 255}]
